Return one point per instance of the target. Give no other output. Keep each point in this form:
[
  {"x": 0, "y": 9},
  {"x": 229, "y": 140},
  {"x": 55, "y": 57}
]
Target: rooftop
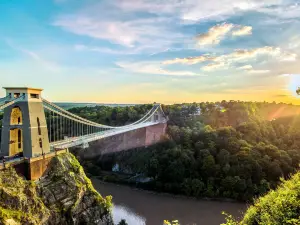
[{"x": 22, "y": 88}]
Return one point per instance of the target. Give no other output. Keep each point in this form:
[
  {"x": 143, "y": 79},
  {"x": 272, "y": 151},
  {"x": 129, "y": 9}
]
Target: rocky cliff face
[{"x": 64, "y": 195}]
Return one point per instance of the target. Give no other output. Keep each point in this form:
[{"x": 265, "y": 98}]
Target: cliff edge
[{"x": 63, "y": 195}]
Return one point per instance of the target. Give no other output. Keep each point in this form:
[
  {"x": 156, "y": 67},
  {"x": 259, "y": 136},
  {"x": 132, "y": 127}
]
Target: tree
[
  {"x": 298, "y": 91},
  {"x": 208, "y": 166},
  {"x": 122, "y": 222}
]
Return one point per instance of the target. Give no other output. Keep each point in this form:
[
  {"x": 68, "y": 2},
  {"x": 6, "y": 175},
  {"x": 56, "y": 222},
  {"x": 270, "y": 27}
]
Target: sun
[{"x": 294, "y": 84}]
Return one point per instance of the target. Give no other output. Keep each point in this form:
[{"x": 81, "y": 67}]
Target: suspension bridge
[{"x": 33, "y": 127}]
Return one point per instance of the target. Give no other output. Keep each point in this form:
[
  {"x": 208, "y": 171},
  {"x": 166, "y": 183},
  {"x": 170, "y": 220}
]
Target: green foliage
[
  {"x": 278, "y": 207},
  {"x": 224, "y": 149},
  {"x": 113, "y": 116},
  {"x": 16, "y": 215},
  {"x": 18, "y": 196}
]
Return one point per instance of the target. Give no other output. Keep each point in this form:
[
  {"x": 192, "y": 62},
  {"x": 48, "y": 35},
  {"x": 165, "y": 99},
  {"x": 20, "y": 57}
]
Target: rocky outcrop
[{"x": 63, "y": 195}]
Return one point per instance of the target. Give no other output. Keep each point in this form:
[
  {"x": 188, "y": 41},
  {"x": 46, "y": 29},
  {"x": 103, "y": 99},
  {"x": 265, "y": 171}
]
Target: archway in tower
[
  {"x": 15, "y": 141},
  {"x": 16, "y": 116}
]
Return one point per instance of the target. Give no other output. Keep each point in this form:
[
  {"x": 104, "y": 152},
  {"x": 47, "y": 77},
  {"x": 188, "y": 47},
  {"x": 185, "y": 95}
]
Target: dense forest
[
  {"x": 113, "y": 116},
  {"x": 230, "y": 149}
]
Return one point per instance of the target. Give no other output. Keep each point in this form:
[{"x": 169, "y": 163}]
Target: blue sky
[{"x": 139, "y": 51}]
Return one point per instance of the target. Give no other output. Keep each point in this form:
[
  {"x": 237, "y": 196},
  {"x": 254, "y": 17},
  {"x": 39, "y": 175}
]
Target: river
[{"x": 139, "y": 207}]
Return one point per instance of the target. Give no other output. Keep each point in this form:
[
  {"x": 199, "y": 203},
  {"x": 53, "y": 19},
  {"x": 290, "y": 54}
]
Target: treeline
[
  {"x": 112, "y": 116},
  {"x": 204, "y": 158},
  {"x": 227, "y": 113}
]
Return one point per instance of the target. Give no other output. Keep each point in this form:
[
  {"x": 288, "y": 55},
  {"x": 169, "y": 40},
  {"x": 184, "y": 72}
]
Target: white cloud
[
  {"x": 294, "y": 42},
  {"x": 115, "y": 31},
  {"x": 119, "y": 21},
  {"x": 215, "y": 66},
  {"x": 189, "y": 60},
  {"x": 238, "y": 55},
  {"x": 258, "y": 71},
  {"x": 218, "y": 32},
  {"x": 214, "y": 35},
  {"x": 152, "y": 68},
  {"x": 245, "y": 54},
  {"x": 221, "y": 9},
  {"x": 36, "y": 57},
  {"x": 242, "y": 31},
  {"x": 250, "y": 69},
  {"x": 283, "y": 10},
  {"x": 136, "y": 34},
  {"x": 196, "y": 10},
  {"x": 288, "y": 56},
  {"x": 80, "y": 47},
  {"x": 246, "y": 67}
]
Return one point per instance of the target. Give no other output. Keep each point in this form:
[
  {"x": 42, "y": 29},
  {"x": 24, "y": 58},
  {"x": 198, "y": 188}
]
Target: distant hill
[
  {"x": 228, "y": 113},
  {"x": 69, "y": 105}
]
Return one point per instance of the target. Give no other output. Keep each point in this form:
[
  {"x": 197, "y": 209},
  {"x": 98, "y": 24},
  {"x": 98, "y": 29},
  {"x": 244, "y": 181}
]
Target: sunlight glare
[{"x": 294, "y": 83}]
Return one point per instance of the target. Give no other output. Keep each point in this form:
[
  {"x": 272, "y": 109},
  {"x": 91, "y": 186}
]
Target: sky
[{"x": 145, "y": 51}]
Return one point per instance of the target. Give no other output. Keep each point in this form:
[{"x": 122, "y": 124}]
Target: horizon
[
  {"x": 141, "y": 51},
  {"x": 101, "y": 103}
]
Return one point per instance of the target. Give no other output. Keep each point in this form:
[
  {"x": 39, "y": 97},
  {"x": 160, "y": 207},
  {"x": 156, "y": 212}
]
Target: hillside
[
  {"x": 279, "y": 207},
  {"x": 64, "y": 195}
]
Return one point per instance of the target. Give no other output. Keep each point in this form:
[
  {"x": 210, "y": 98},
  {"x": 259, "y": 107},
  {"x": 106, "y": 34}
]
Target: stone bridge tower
[{"x": 24, "y": 127}]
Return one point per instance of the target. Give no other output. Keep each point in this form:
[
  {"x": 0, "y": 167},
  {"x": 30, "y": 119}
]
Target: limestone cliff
[{"x": 63, "y": 195}]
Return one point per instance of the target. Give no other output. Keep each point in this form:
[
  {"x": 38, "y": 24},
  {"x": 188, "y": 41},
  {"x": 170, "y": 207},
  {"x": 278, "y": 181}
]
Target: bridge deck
[{"x": 75, "y": 141}]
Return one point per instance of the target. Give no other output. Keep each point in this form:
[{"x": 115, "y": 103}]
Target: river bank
[
  {"x": 141, "y": 207},
  {"x": 124, "y": 180}
]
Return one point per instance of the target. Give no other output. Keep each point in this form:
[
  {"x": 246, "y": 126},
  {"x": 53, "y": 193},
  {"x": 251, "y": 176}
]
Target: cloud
[
  {"x": 129, "y": 31},
  {"x": 244, "y": 30},
  {"x": 246, "y": 67},
  {"x": 214, "y": 35},
  {"x": 120, "y": 21},
  {"x": 283, "y": 10},
  {"x": 218, "y": 32},
  {"x": 258, "y": 71},
  {"x": 189, "y": 60},
  {"x": 214, "y": 66},
  {"x": 80, "y": 47},
  {"x": 36, "y": 57},
  {"x": 152, "y": 68},
  {"x": 294, "y": 42},
  {"x": 196, "y": 10},
  {"x": 239, "y": 55},
  {"x": 245, "y": 54},
  {"x": 115, "y": 31},
  {"x": 249, "y": 69},
  {"x": 222, "y": 9},
  {"x": 288, "y": 56}
]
